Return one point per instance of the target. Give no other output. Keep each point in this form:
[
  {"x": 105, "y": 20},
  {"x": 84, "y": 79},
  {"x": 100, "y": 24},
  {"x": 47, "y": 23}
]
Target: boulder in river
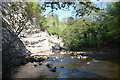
[
  {"x": 40, "y": 63},
  {"x": 35, "y": 65},
  {"x": 49, "y": 65},
  {"x": 72, "y": 54},
  {"x": 54, "y": 69},
  {"x": 39, "y": 59},
  {"x": 53, "y": 59},
  {"x": 32, "y": 59},
  {"x": 62, "y": 67}
]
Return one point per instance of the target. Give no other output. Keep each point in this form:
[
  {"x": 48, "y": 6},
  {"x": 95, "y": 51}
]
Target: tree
[
  {"x": 81, "y": 8},
  {"x": 113, "y": 19}
]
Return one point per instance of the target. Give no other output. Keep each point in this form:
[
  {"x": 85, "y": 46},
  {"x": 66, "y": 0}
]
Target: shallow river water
[{"x": 70, "y": 66}]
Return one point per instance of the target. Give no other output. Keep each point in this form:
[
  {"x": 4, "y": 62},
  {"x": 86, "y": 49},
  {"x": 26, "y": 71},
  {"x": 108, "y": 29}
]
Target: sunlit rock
[
  {"x": 90, "y": 52},
  {"x": 72, "y": 57},
  {"x": 53, "y": 59},
  {"x": 61, "y": 60},
  {"x": 52, "y": 53},
  {"x": 84, "y": 57},
  {"x": 79, "y": 56},
  {"x": 49, "y": 65},
  {"x": 56, "y": 57},
  {"x": 88, "y": 62},
  {"x": 62, "y": 53},
  {"x": 95, "y": 60}
]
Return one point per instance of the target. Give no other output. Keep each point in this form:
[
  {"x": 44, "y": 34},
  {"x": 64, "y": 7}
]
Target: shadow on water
[
  {"x": 113, "y": 58},
  {"x": 65, "y": 65}
]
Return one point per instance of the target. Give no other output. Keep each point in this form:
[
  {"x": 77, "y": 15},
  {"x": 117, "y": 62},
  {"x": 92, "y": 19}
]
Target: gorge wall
[{"x": 22, "y": 36}]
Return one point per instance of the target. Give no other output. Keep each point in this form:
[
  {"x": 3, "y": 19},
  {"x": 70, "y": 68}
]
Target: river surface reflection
[{"x": 70, "y": 65}]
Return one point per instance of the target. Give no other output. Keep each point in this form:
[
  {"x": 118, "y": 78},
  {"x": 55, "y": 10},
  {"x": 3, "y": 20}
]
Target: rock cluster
[
  {"x": 37, "y": 58},
  {"x": 52, "y": 68}
]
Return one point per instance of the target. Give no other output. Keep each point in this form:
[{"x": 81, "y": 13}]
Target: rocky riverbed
[{"x": 68, "y": 64}]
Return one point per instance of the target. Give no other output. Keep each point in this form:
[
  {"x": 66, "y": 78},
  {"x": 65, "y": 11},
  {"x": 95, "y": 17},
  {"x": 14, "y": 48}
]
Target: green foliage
[
  {"x": 80, "y": 34},
  {"x": 91, "y": 33},
  {"x": 54, "y": 26},
  {"x": 33, "y": 11},
  {"x": 112, "y": 21}
]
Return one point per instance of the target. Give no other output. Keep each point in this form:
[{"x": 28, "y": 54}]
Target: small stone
[
  {"x": 40, "y": 63},
  {"x": 88, "y": 62},
  {"x": 31, "y": 60},
  {"x": 35, "y": 65},
  {"x": 53, "y": 70},
  {"x": 72, "y": 54},
  {"x": 53, "y": 59}
]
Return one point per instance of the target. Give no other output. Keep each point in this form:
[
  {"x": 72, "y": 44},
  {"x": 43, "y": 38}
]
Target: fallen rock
[
  {"x": 72, "y": 54},
  {"x": 39, "y": 59},
  {"x": 35, "y": 65},
  {"x": 49, "y": 65},
  {"x": 53, "y": 59},
  {"x": 54, "y": 69},
  {"x": 62, "y": 67},
  {"x": 40, "y": 63},
  {"x": 32, "y": 59}
]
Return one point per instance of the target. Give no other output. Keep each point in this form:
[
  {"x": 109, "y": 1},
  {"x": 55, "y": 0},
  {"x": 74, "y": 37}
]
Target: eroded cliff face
[
  {"x": 13, "y": 49},
  {"x": 42, "y": 41},
  {"x": 22, "y": 36},
  {"x": 18, "y": 25}
]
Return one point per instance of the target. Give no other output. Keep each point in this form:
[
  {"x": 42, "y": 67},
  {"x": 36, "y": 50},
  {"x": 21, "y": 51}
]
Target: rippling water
[{"x": 71, "y": 66}]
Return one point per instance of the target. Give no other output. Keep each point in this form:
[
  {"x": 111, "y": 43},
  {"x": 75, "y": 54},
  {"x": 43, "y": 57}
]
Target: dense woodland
[{"x": 92, "y": 28}]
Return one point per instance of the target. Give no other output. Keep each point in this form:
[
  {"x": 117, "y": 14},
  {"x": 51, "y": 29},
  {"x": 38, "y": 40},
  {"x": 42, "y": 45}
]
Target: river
[{"x": 71, "y": 66}]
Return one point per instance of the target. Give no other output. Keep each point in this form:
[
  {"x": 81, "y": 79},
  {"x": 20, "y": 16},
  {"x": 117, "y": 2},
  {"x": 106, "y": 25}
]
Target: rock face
[
  {"x": 42, "y": 41},
  {"x": 13, "y": 49},
  {"x": 19, "y": 36}
]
